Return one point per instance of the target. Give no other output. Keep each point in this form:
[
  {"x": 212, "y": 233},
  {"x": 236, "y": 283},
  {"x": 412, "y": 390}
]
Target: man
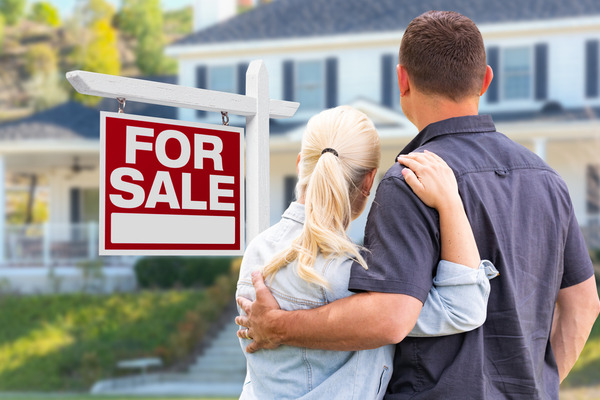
[{"x": 543, "y": 304}]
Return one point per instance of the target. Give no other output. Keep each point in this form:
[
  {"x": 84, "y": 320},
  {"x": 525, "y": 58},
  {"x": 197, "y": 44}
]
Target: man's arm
[
  {"x": 577, "y": 308},
  {"x": 362, "y": 321}
]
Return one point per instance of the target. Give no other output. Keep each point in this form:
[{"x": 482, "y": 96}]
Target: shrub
[{"x": 187, "y": 272}]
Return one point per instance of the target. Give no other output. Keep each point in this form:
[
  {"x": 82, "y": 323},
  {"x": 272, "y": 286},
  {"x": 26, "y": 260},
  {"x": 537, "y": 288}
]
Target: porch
[{"x": 60, "y": 258}]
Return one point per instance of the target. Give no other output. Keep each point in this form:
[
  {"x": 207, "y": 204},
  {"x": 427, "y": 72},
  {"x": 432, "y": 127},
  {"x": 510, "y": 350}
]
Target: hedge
[{"x": 184, "y": 272}]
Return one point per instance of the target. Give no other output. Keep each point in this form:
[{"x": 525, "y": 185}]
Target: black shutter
[
  {"x": 289, "y": 184},
  {"x": 493, "y": 60},
  {"x": 75, "y": 197},
  {"x": 541, "y": 71},
  {"x": 331, "y": 82},
  {"x": 201, "y": 83},
  {"x": 241, "y": 78},
  {"x": 387, "y": 83},
  {"x": 591, "y": 68},
  {"x": 288, "y": 80}
]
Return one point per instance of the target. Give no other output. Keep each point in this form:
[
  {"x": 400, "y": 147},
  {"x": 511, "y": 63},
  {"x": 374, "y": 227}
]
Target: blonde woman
[{"x": 306, "y": 259}]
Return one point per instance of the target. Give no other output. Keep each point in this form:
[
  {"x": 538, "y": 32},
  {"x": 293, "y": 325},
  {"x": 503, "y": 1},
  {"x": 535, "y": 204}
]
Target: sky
[{"x": 66, "y": 7}]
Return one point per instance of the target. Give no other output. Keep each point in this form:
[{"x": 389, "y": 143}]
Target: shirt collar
[
  {"x": 466, "y": 124},
  {"x": 295, "y": 212}
]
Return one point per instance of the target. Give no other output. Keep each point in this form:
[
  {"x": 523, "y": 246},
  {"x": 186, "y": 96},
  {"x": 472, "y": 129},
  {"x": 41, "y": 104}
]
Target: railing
[{"x": 50, "y": 243}]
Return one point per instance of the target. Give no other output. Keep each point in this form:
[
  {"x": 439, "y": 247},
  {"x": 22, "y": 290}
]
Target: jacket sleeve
[{"x": 457, "y": 301}]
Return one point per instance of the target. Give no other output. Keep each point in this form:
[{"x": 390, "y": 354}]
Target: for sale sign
[{"x": 170, "y": 187}]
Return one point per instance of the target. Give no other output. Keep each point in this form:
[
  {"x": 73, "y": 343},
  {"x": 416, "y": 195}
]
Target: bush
[{"x": 187, "y": 272}]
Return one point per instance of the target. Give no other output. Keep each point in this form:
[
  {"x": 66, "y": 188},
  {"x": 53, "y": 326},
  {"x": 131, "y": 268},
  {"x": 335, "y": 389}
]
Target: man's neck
[{"x": 434, "y": 109}]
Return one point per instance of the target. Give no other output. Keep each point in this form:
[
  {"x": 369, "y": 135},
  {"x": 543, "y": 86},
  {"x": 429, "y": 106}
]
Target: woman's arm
[
  {"x": 457, "y": 301},
  {"x": 433, "y": 181}
]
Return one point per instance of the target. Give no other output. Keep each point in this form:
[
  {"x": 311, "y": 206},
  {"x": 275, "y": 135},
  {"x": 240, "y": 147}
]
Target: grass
[
  {"x": 586, "y": 372},
  {"x": 65, "y": 343}
]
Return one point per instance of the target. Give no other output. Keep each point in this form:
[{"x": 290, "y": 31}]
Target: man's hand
[{"x": 261, "y": 317}]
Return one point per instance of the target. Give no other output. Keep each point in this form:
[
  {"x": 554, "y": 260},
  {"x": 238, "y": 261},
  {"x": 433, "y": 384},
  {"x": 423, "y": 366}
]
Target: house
[
  {"x": 322, "y": 53},
  {"x": 56, "y": 152}
]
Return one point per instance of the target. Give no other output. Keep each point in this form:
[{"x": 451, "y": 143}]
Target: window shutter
[
  {"x": 288, "y": 80},
  {"x": 201, "y": 83},
  {"x": 591, "y": 68},
  {"x": 493, "y": 60},
  {"x": 331, "y": 82},
  {"x": 541, "y": 71},
  {"x": 75, "y": 197},
  {"x": 387, "y": 66},
  {"x": 289, "y": 184},
  {"x": 241, "y": 78}
]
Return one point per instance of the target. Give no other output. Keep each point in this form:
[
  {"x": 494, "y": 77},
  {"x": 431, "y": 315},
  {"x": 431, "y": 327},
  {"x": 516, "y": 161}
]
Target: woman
[{"x": 306, "y": 259}]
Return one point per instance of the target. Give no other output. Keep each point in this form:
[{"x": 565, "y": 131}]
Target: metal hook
[
  {"x": 121, "y": 101},
  {"x": 225, "y": 118}
]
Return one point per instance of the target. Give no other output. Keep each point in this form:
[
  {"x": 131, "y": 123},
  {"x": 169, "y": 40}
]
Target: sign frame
[{"x": 239, "y": 224}]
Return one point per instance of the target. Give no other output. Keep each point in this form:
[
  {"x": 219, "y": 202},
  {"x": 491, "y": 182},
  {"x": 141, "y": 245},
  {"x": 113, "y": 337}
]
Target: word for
[{"x": 162, "y": 189}]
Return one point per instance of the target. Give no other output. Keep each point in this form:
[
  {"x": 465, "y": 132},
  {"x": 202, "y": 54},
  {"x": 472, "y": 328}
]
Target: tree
[
  {"x": 1, "y": 32},
  {"x": 12, "y": 10},
  {"x": 98, "y": 50},
  {"x": 45, "y": 13},
  {"x": 45, "y": 84},
  {"x": 143, "y": 20}
]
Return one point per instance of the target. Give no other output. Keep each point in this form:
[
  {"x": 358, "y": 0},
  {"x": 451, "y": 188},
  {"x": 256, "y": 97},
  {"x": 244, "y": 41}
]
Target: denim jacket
[{"x": 456, "y": 303}]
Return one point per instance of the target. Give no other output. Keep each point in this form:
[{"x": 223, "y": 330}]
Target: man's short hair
[{"x": 443, "y": 53}]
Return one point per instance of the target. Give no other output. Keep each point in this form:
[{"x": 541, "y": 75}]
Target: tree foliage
[
  {"x": 12, "y": 10},
  {"x": 143, "y": 20},
  {"x": 45, "y": 13},
  {"x": 1, "y": 32},
  {"x": 98, "y": 51}
]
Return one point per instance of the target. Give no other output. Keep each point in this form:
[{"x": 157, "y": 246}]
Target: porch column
[
  {"x": 539, "y": 147},
  {"x": 2, "y": 211}
]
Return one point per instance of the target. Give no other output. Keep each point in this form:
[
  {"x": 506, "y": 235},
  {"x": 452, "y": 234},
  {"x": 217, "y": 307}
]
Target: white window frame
[
  {"x": 323, "y": 99},
  {"x": 209, "y": 71},
  {"x": 503, "y": 74}
]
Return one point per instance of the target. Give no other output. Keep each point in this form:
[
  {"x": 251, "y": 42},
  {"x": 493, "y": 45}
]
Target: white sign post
[{"x": 256, "y": 106}]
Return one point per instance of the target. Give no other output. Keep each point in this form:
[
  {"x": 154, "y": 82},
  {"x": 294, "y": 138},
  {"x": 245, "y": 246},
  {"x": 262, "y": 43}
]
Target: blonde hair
[{"x": 330, "y": 184}]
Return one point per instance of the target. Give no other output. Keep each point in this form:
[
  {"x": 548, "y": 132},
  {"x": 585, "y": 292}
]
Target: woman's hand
[
  {"x": 434, "y": 182},
  {"x": 430, "y": 178}
]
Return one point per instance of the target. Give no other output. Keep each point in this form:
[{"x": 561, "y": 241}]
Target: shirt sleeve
[
  {"x": 402, "y": 238},
  {"x": 457, "y": 301},
  {"x": 577, "y": 262}
]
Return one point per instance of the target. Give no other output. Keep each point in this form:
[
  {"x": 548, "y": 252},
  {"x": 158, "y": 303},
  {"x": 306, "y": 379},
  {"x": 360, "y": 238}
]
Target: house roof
[
  {"x": 283, "y": 19},
  {"x": 72, "y": 120}
]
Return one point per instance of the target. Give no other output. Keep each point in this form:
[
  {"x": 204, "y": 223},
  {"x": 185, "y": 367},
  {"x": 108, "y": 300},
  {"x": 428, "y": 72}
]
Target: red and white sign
[{"x": 170, "y": 187}]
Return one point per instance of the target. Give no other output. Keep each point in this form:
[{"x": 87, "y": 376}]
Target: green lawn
[{"x": 586, "y": 371}]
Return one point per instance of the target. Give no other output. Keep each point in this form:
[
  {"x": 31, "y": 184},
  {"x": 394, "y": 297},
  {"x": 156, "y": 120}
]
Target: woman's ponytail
[{"x": 339, "y": 148}]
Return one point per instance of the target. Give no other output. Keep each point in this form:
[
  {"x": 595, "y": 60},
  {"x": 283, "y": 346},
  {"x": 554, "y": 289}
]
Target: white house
[
  {"x": 56, "y": 152},
  {"x": 322, "y": 53}
]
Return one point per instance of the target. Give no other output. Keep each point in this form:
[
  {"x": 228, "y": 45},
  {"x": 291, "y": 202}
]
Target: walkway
[{"x": 218, "y": 372}]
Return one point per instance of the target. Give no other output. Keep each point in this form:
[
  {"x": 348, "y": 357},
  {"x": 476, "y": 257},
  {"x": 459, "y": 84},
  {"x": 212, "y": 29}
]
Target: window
[
  {"x": 310, "y": 85},
  {"x": 593, "y": 189},
  {"x": 222, "y": 79},
  {"x": 516, "y": 73}
]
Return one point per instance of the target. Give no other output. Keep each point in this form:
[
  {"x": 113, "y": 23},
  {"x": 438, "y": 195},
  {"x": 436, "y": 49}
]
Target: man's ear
[
  {"x": 487, "y": 79},
  {"x": 403, "y": 82},
  {"x": 298, "y": 164}
]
